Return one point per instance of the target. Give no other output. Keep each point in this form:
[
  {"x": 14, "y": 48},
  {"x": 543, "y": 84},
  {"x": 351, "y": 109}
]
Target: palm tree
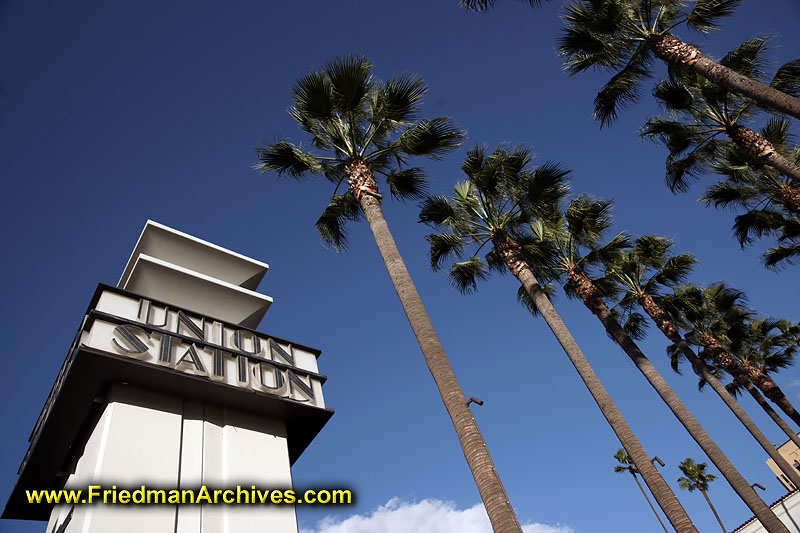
[
  {"x": 627, "y": 465},
  {"x": 700, "y": 112},
  {"x": 696, "y": 478},
  {"x": 365, "y": 126},
  {"x": 624, "y": 36},
  {"x": 492, "y": 211},
  {"x": 643, "y": 272},
  {"x": 582, "y": 227},
  {"x": 713, "y": 316}
]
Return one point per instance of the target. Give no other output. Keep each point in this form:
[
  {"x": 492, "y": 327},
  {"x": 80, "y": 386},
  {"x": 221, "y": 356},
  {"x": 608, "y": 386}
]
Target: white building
[{"x": 787, "y": 509}]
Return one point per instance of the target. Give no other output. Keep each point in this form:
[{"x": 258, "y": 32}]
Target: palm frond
[
  {"x": 443, "y": 247},
  {"x": 624, "y": 88},
  {"x": 331, "y": 224},
  {"x": 682, "y": 172},
  {"x": 475, "y": 161},
  {"x": 777, "y": 132},
  {"x": 726, "y": 193},
  {"x": 636, "y": 325},
  {"x": 399, "y": 99},
  {"x": 756, "y": 224},
  {"x": 465, "y": 275},
  {"x": 409, "y": 183},
  {"x": 482, "y": 6},
  {"x": 676, "y": 136},
  {"x": 705, "y": 15},
  {"x": 673, "y": 95},
  {"x": 350, "y": 79},
  {"x": 588, "y": 218},
  {"x": 431, "y": 138},
  {"x": 780, "y": 256},
  {"x": 436, "y": 210},
  {"x": 546, "y": 189},
  {"x": 285, "y": 158},
  {"x": 676, "y": 269},
  {"x": 787, "y": 78},
  {"x": 495, "y": 263},
  {"x": 313, "y": 96},
  {"x": 748, "y": 58}
]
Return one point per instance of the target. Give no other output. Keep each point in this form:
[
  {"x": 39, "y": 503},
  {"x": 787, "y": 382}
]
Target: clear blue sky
[{"x": 116, "y": 112}]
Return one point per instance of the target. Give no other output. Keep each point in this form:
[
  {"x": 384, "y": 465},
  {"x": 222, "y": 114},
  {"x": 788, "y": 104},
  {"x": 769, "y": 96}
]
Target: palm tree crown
[
  {"x": 696, "y": 476},
  {"x": 501, "y": 196},
  {"x": 365, "y": 126},
  {"x": 647, "y": 268}
]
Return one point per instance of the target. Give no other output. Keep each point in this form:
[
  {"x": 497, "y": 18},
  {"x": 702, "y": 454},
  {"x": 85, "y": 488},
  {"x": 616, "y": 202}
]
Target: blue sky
[{"x": 116, "y": 112}]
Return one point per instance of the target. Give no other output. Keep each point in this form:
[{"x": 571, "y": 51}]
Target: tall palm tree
[
  {"x": 697, "y": 478},
  {"x": 624, "y": 36},
  {"x": 627, "y": 465},
  {"x": 491, "y": 211},
  {"x": 643, "y": 272},
  {"x": 367, "y": 126},
  {"x": 582, "y": 228},
  {"x": 701, "y": 111},
  {"x": 713, "y": 316}
]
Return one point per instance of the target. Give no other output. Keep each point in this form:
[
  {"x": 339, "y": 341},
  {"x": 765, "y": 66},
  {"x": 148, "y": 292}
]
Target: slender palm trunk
[
  {"x": 713, "y": 510},
  {"x": 591, "y": 297},
  {"x": 501, "y": 514},
  {"x": 771, "y": 412},
  {"x": 662, "y": 321},
  {"x": 511, "y": 254},
  {"x": 678, "y": 53},
  {"x": 762, "y": 152},
  {"x": 744, "y": 371},
  {"x": 636, "y": 479}
]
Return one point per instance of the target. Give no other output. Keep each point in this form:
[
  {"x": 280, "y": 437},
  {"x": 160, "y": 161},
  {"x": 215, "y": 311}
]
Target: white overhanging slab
[
  {"x": 171, "y": 283},
  {"x": 194, "y": 254}
]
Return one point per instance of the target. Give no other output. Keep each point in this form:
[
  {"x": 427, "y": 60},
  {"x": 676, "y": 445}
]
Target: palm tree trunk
[
  {"x": 744, "y": 371},
  {"x": 678, "y": 53},
  {"x": 771, "y": 412},
  {"x": 762, "y": 152},
  {"x": 511, "y": 253},
  {"x": 714, "y": 511},
  {"x": 662, "y": 321},
  {"x": 501, "y": 514},
  {"x": 591, "y": 297},
  {"x": 636, "y": 479}
]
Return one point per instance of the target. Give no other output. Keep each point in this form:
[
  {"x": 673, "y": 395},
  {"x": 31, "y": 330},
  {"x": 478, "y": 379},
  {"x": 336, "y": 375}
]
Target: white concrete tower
[{"x": 167, "y": 386}]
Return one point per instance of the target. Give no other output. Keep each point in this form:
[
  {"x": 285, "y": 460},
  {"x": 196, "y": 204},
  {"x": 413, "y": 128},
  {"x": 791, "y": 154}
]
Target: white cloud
[{"x": 426, "y": 516}]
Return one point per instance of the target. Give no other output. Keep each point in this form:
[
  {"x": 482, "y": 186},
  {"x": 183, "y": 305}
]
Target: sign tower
[{"x": 168, "y": 388}]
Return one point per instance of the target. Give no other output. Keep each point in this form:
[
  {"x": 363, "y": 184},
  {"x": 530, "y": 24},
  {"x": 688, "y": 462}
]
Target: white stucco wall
[
  {"x": 164, "y": 442},
  {"x": 787, "y": 510}
]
